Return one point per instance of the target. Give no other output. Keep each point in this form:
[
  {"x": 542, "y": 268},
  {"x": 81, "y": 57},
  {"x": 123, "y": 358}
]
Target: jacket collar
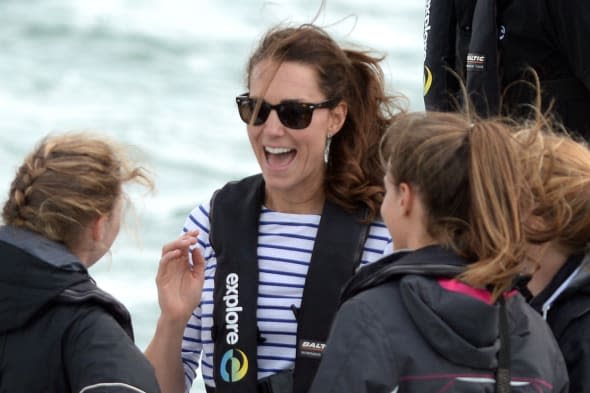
[
  {"x": 433, "y": 260},
  {"x": 49, "y": 251}
]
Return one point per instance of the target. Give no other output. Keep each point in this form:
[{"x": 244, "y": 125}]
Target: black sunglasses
[{"x": 292, "y": 114}]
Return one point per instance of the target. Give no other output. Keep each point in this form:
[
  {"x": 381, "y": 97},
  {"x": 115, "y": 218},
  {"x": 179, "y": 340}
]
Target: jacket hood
[
  {"x": 571, "y": 299},
  {"x": 445, "y": 315},
  {"x": 29, "y": 283},
  {"x": 580, "y": 282},
  {"x": 446, "y": 320}
]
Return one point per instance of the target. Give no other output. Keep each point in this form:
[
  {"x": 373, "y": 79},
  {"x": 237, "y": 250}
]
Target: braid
[{"x": 66, "y": 182}]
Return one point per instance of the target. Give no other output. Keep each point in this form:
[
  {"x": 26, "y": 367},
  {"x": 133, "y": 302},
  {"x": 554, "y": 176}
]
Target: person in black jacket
[
  {"x": 560, "y": 286},
  {"x": 59, "y": 332},
  {"x": 440, "y": 313},
  {"x": 494, "y": 44}
]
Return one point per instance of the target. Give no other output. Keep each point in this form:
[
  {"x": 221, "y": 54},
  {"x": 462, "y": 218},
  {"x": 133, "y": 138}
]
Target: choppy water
[{"x": 162, "y": 75}]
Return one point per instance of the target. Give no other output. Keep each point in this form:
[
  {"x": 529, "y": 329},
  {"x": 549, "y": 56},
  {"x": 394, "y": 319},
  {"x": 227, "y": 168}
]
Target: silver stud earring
[{"x": 327, "y": 148}]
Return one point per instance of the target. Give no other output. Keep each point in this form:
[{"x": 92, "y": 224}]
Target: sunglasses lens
[
  {"x": 246, "y": 107},
  {"x": 262, "y": 114},
  {"x": 295, "y": 115},
  {"x": 245, "y": 110}
]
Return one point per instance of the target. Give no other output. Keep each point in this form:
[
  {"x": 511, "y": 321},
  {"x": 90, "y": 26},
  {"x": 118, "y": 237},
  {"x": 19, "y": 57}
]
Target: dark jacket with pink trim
[{"x": 404, "y": 332}]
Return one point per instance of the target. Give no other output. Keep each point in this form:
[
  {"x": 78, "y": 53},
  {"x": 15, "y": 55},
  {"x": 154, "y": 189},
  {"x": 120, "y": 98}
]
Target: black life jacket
[{"x": 234, "y": 217}]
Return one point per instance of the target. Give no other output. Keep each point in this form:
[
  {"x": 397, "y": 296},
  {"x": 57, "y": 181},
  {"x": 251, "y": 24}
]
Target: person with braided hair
[{"x": 62, "y": 215}]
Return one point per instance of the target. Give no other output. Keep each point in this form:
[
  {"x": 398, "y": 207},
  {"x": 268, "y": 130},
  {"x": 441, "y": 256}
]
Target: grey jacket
[{"x": 408, "y": 333}]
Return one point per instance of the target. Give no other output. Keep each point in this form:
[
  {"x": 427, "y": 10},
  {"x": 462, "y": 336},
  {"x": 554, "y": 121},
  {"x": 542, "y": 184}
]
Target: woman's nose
[{"x": 273, "y": 123}]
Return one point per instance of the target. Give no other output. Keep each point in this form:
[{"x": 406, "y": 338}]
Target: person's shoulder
[
  {"x": 235, "y": 190},
  {"x": 377, "y": 228},
  {"x": 242, "y": 186},
  {"x": 379, "y": 224},
  {"x": 378, "y": 240},
  {"x": 198, "y": 216},
  {"x": 96, "y": 319},
  {"x": 379, "y": 299},
  {"x": 375, "y": 312},
  {"x": 527, "y": 325},
  {"x": 534, "y": 346},
  {"x": 571, "y": 310},
  {"x": 96, "y": 341},
  {"x": 96, "y": 334},
  {"x": 572, "y": 323},
  {"x": 203, "y": 207}
]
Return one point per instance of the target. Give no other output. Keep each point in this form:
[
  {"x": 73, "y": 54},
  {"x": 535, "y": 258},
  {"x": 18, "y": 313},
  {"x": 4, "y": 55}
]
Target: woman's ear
[
  {"x": 406, "y": 198},
  {"x": 337, "y": 117},
  {"x": 98, "y": 228}
]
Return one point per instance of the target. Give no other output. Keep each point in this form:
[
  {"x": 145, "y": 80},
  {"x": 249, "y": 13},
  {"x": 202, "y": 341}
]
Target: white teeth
[{"x": 276, "y": 150}]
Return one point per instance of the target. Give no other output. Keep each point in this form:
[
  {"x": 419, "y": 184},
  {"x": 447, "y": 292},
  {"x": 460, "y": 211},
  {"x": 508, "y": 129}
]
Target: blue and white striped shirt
[{"x": 285, "y": 244}]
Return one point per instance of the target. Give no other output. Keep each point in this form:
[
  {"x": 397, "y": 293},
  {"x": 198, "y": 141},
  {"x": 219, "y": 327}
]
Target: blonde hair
[
  {"x": 68, "y": 180},
  {"x": 473, "y": 185}
]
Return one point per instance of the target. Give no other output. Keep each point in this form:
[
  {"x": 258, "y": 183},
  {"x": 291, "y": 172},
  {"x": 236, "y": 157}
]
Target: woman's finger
[{"x": 183, "y": 242}]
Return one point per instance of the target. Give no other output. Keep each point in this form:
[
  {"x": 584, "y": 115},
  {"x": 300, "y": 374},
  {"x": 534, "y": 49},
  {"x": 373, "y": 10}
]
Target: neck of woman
[
  {"x": 295, "y": 204},
  {"x": 551, "y": 259}
]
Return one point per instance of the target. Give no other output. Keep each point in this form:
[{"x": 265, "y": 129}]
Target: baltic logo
[
  {"x": 311, "y": 349},
  {"x": 476, "y": 62},
  {"x": 234, "y": 363}
]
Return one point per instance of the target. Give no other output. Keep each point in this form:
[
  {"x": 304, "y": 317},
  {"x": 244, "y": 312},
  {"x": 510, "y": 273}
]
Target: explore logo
[
  {"x": 233, "y": 368},
  {"x": 232, "y": 308}
]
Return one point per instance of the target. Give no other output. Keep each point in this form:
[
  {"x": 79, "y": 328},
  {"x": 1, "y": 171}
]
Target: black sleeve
[
  {"x": 100, "y": 357},
  {"x": 357, "y": 357},
  {"x": 571, "y": 20},
  {"x": 440, "y": 85},
  {"x": 575, "y": 346}
]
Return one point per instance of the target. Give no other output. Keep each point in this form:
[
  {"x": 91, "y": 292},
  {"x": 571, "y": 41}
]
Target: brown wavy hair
[
  {"x": 473, "y": 185},
  {"x": 562, "y": 201},
  {"x": 67, "y": 181},
  {"x": 354, "y": 176}
]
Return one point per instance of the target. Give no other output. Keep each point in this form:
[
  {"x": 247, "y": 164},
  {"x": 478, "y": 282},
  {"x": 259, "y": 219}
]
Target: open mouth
[{"x": 279, "y": 157}]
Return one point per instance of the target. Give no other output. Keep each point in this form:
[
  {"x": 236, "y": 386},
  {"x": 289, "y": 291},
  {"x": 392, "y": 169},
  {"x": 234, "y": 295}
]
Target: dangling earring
[{"x": 327, "y": 148}]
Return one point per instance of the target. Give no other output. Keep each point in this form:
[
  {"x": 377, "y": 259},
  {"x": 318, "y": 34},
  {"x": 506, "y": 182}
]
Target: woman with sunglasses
[
  {"x": 442, "y": 315},
  {"x": 280, "y": 245},
  {"x": 59, "y": 332}
]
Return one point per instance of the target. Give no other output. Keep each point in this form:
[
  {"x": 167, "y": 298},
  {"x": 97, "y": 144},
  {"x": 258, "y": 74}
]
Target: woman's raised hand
[{"x": 179, "y": 283}]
